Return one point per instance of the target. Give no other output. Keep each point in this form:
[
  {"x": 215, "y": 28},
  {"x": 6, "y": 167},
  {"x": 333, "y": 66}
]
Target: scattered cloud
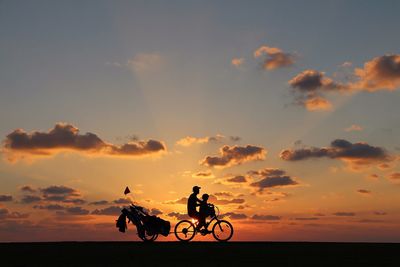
[
  {"x": 344, "y": 214},
  {"x": 273, "y": 57},
  {"x": 28, "y": 199},
  {"x": 379, "y": 213},
  {"x": 112, "y": 210},
  {"x": 182, "y": 200},
  {"x": 27, "y": 189},
  {"x": 234, "y": 216},
  {"x": 309, "y": 86},
  {"x": 66, "y": 137},
  {"x": 155, "y": 211},
  {"x": 5, "y": 198},
  {"x": 364, "y": 192},
  {"x": 50, "y": 207},
  {"x": 122, "y": 201},
  {"x": 353, "y": 128},
  {"x": 73, "y": 211},
  {"x": 357, "y": 154},
  {"x": 203, "y": 174},
  {"x": 237, "y": 62},
  {"x": 6, "y": 214},
  {"x": 191, "y": 140},
  {"x": 271, "y": 178},
  {"x": 235, "y": 155},
  {"x": 395, "y": 176},
  {"x": 179, "y": 216},
  {"x": 99, "y": 202},
  {"x": 306, "y": 219},
  {"x": 266, "y": 217},
  {"x": 380, "y": 73},
  {"x": 237, "y": 179}
]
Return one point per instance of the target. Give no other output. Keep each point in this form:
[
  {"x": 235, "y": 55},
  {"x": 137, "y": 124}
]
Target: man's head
[
  {"x": 196, "y": 189},
  {"x": 205, "y": 197}
]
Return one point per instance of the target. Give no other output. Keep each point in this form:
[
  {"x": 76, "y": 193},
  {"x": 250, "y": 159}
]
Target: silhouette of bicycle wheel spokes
[
  {"x": 222, "y": 230},
  {"x": 185, "y": 230}
]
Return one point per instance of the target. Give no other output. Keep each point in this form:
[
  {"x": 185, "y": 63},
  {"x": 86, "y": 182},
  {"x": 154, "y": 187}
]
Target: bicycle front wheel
[
  {"x": 185, "y": 230},
  {"x": 222, "y": 230}
]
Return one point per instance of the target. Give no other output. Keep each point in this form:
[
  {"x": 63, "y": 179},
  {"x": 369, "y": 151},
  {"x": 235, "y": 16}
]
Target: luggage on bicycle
[
  {"x": 157, "y": 225},
  {"x": 121, "y": 223}
]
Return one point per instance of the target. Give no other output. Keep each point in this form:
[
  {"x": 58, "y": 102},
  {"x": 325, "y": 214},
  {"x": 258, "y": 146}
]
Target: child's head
[{"x": 205, "y": 197}]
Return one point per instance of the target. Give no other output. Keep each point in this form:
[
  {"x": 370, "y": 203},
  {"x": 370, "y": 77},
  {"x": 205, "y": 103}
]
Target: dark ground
[{"x": 199, "y": 254}]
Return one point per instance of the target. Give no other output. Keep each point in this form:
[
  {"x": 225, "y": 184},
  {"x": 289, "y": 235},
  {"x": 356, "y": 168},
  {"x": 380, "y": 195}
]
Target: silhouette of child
[{"x": 204, "y": 211}]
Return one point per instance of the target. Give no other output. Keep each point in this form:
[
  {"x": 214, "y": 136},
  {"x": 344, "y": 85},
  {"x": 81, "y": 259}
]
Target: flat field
[{"x": 244, "y": 254}]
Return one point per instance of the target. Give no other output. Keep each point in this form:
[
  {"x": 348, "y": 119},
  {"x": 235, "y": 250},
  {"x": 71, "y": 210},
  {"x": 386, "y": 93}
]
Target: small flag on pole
[{"x": 127, "y": 191}]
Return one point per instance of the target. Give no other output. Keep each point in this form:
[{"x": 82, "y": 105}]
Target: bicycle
[{"x": 222, "y": 230}]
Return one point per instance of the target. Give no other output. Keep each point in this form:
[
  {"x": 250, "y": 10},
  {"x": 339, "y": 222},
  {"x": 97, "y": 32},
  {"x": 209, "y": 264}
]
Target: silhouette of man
[{"x": 194, "y": 202}]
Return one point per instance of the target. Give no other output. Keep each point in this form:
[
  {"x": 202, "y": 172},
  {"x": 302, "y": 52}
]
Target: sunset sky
[{"x": 286, "y": 112}]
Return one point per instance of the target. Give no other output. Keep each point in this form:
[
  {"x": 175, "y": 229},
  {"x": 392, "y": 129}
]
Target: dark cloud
[
  {"x": 27, "y": 189},
  {"x": 6, "y": 214},
  {"x": 28, "y": 199},
  {"x": 205, "y": 174},
  {"x": 5, "y": 198},
  {"x": 379, "y": 213},
  {"x": 235, "y": 155},
  {"x": 344, "y": 214},
  {"x": 306, "y": 219},
  {"x": 122, "y": 201},
  {"x": 59, "y": 190},
  {"x": 272, "y": 178},
  {"x": 395, "y": 176},
  {"x": 62, "y": 193},
  {"x": 100, "y": 202},
  {"x": 237, "y": 179},
  {"x": 357, "y": 154},
  {"x": 274, "y": 58},
  {"x": 66, "y": 137},
  {"x": 182, "y": 200},
  {"x": 213, "y": 199},
  {"x": 179, "y": 216},
  {"x": 234, "y": 216},
  {"x": 112, "y": 210},
  {"x": 73, "y": 211},
  {"x": 266, "y": 217},
  {"x": 364, "y": 192},
  {"x": 155, "y": 211},
  {"x": 49, "y": 207}
]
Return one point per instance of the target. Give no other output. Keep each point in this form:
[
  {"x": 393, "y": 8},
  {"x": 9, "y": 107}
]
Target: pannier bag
[
  {"x": 157, "y": 225},
  {"x": 121, "y": 223}
]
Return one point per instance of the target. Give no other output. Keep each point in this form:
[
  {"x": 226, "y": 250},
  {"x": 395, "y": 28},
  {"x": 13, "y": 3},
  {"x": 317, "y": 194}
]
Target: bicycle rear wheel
[
  {"x": 185, "y": 230},
  {"x": 222, "y": 230}
]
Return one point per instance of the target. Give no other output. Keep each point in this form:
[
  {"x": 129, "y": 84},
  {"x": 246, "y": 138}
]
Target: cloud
[
  {"x": 237, "y": 62},
  {"x": 179, "y": 216},
  {"x": 310, "y": 85},
  {"x": 98, "y": 203},
  {"x": 306, "y": 219},
  {"x": 61, "y": 194},
  {"x": 353, "y": 127},
  {"x": 234, "y": 216},
  {"x": 235, "y": 155},
  {"x": 112, "y": 210},
  {"x": 364, "y": 192},
  {"x": 6, "y": 214},
  {"x": 273, "y": 57},
  {"x": 155, "y": 211},
  {"x": 379, "y": 213},
  {"x": 237, "y": 179},
  {"x": 27, "y": 188},
  {"x": 272, "y": 178},
  {"x": 5, "y": 198},
  {"x": 266, "y": 217},
  {"x": 205, "y": 174},
  {"x": 217, "y": 201},
  {"x": 191, "y": 140},
  {"x": 344, "y": 214},
  {"x": 66, "y": 137},
  {"x": 49, "y": 207},
  {"x": 380, "y": 73},
  {"x": 357, "y": 154},
  {"x": 224, "y": 194},
  {"x": 395, "y": 176},
  {"x": 182, "y": 200},
  {"x": 122, "y": 201},
  {"x": 28, "y": 199},
  {"x": 73, "y": 211}
]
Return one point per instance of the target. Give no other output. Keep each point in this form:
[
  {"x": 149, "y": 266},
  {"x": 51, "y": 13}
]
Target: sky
[{"x": 285, "y": 112}]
